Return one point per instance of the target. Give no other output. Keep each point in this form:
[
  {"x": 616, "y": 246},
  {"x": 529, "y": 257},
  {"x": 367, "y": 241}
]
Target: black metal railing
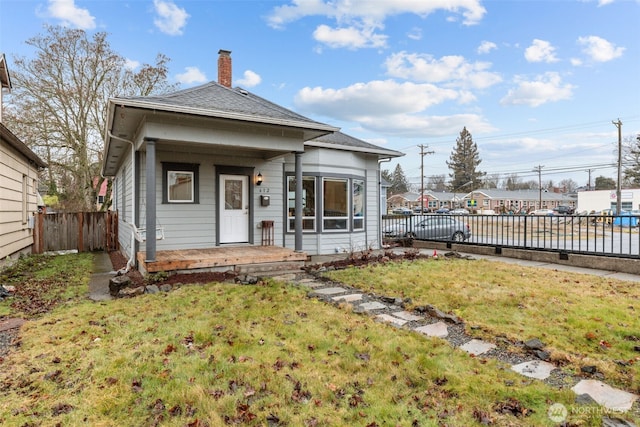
[{"x": 607, "y": 235}]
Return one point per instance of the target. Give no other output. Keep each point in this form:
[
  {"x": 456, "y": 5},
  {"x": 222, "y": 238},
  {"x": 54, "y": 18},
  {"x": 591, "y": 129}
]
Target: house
[
  {"x": 19, "y": 167},
  {"x": 214, "y": 166}
]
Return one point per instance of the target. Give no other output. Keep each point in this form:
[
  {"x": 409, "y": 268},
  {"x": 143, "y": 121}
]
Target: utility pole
[
  {"x": 618, "y": 124},
  {"x": 539, "y": 170},
  {"x": 422, "y": 154},
  {"x": 589, "y": 182}
]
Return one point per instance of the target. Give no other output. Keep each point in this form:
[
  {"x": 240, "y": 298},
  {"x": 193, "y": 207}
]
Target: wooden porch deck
[{"x": 223, "y": 258}]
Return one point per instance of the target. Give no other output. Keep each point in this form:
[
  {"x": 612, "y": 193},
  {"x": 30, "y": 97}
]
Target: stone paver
[
  {"x": 11, "y": 323},
  {"x": 605, "y": 395},
  {"x": 330, "y": 291},
  {"x": 538, "y": 369},
  {"x": 374, "y": 305},
  {"x": 314, "y": 284},
  {"x": 391, "y": 319},
  {"x": 348, "y": 298},
  {"x": 405, "y": 315},
  {"x": 438, "y": 330},
  {"x": 477, "y": 347}
]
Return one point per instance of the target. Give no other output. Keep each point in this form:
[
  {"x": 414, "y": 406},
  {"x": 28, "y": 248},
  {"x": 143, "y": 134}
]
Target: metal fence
[{"x": 610, "y": 235}]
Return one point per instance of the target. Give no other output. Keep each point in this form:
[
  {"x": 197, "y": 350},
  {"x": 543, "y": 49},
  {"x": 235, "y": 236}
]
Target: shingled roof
[{"x": 212, "y": 97}]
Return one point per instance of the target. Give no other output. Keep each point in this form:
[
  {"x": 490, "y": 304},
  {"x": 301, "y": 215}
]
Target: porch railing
[{"x": 604, "y": 235}]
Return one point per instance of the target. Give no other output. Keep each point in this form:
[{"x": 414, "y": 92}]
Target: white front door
[{"x": 234, "y": 209}]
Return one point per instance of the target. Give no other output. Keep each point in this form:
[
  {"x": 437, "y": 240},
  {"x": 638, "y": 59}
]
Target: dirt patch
[{"x": 120, "y": 262}]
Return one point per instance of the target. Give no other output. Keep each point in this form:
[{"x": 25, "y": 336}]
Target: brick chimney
[{"x": 224, "y": 67}]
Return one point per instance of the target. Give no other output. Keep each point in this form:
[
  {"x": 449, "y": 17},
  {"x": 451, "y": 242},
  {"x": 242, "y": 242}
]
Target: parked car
[
  {"x": 442, "y": 211},
  {"x": 402, "y": 211},
  {"x": 419, "y": 210},
  {"x": 544, "y": 212},
  {"x": 459, "y": 211},
  {"x": 432, "y": 227},
  {"x": 564, "y": 210}
]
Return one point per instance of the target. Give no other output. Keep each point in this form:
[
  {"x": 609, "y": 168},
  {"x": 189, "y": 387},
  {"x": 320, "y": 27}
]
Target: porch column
[
  {"x": 150, "y": 214},
  {"x": 298, "y": 207}
]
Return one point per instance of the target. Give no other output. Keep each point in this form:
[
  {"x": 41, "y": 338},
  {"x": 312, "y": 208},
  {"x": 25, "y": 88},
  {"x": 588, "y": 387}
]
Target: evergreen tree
[
  {"x": 399, "y": 182},
  {"x": 463, "y": 163},
  {"x": 604, "y": 183},
  {"x": 632, "y": 163}
]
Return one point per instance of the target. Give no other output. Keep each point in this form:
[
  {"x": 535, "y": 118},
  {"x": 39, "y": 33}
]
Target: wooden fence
[{"x": 83, "y": 231}]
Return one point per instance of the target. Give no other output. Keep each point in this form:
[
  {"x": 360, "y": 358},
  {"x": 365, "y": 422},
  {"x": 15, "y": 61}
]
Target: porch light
[{"x": 259, "y": 179}]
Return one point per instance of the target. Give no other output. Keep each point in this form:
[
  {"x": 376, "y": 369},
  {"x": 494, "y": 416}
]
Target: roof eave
[
  {"x": 225, "y": 115},
  {"x": 381, "y": 152}
]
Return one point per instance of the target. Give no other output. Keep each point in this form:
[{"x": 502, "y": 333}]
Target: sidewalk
[{"x": 99, "y": 281}]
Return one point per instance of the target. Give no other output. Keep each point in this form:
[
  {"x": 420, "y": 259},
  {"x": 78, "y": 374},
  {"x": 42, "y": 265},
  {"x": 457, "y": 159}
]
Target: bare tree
[
  {"x": 568, "y": 185},
  {"x": 631, "y": 160},
  {"x": 437, "y": 183},
  {"x": 58, "y": 106}
]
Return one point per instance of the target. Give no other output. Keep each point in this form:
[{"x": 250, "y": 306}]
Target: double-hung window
[
  {"x": 308, "y": 203},
  {"x": 335, "y": 192},
  {"x": 358, "y": 196}
]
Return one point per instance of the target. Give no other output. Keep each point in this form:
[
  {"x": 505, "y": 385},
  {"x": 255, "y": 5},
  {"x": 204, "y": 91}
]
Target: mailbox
[{"x": 265, "y": 200}]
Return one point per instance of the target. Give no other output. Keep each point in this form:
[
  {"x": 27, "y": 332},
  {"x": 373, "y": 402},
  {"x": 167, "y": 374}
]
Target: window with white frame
[
  {"x": 180, "y": 183},
  {"x": 335, "y": 197},
  {"x": 358, "y": 195},
  {"x": 308, "y": 203}
]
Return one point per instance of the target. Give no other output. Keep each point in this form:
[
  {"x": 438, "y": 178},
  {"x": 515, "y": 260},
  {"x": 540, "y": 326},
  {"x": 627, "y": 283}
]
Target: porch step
[{"x": 271, "y": 268}]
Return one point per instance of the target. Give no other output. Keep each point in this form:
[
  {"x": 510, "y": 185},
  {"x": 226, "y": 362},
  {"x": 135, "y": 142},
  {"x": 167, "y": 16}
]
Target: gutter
[{"x": 131, "y": 260}]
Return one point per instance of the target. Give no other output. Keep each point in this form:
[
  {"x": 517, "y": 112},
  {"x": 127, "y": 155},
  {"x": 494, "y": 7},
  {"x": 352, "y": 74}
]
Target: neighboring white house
[
  {"x": 208, "y": 165},
  {"x": 607, "y": 199},
  {"x": 19, "y": 167}
]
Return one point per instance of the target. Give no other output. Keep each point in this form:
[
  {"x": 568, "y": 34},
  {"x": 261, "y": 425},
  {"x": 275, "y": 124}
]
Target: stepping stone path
[{"x": 386, "y": 310}]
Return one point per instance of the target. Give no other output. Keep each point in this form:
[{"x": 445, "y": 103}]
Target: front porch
[{"x": 241, "y": 259}]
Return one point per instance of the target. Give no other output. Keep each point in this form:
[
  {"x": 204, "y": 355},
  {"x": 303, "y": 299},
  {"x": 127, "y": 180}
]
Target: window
[
  {"x": 358, "y": 204},
  {"x": 336, "y": 203},
  {"x": 25, "y": 199},
  {"x": 308, "y": 203},
  {"x": 180, "y": 183}
]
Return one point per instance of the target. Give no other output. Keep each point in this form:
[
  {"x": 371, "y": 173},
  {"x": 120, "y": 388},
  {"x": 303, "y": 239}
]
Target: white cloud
[
  {"x": 191, "y": 75},
  {"x": 357, "y": 20},
  {"x": 349, "y": 37},
  {"x": 599, "y": 49},
  {"x": 388, "y": 107},
  {"x": 576, "y": 62},
  {"x": 604, "y": 2},
  {"x": 250, "y": 79},
  {"x": 545, "y": 88},
  {"x": 171, "y": 19},
  {"x": 452, "y": 70},
  {"x": 540, "y": 51},
  {"x": 71, "y": 15},
  {"x": 131, "y": 64},
  {"x": 415, "y": 34},
  {"x": 486, "y": 47}
]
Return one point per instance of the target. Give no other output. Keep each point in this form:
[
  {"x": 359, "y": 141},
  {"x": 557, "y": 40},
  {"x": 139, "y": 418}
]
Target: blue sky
[{"x": 537, "y": 83}]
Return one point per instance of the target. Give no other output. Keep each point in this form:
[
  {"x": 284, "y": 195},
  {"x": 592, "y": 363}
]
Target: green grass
[
  {"x": 583, "y": 319},
  {"x": 264, "y": 355}
]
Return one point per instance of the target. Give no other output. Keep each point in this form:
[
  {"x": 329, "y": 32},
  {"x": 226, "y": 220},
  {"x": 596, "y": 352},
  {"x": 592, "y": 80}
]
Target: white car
[{"x": 543, "y": 212}]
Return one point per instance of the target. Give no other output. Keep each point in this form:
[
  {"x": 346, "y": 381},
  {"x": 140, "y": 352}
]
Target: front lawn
[
  {"x": 585, "y": 320},
  {"x": 263, "y": 355}
]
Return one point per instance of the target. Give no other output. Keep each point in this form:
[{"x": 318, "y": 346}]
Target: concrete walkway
[{"x": 102, "y": 273}]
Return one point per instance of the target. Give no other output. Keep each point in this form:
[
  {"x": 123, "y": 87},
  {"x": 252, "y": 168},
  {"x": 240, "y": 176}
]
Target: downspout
[
  {"x": 132, "y": 258},
  {"x": 379, "y": 197}
]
